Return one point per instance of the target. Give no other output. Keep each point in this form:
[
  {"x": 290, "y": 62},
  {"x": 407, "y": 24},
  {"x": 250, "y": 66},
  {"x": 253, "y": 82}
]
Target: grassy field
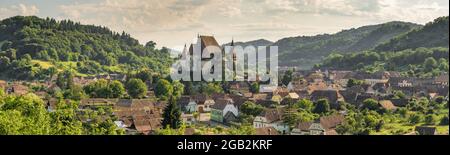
[{"x": 43, "y": 64}]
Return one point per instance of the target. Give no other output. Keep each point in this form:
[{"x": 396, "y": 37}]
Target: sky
[{"x": 173, "y": 23}]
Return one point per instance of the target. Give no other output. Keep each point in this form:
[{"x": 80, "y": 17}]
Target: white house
[
  {"x": 271, "y": 118},
  {"x": 224, "y": 111}
]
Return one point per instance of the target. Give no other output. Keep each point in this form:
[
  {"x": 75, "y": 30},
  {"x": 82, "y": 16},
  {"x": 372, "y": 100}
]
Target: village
[{"x": 144, "y": 116}]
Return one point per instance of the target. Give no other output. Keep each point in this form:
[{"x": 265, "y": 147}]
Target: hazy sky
[{"x": 176, "y": 22}]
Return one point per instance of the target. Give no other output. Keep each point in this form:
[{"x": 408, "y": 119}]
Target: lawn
[{"x": 43, "y": 64}]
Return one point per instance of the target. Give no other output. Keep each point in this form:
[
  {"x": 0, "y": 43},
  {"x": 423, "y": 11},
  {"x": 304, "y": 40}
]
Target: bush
[
  {"x": 444, "y": 120},
  {"x": 430, "y": 119},
  {"x": 415, "y": 119}
]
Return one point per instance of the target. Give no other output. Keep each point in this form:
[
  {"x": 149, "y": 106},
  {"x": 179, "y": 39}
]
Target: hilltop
[{"x": 85, "y": 49}]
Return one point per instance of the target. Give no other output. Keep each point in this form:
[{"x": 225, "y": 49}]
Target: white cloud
[
  {"x": 161, "y": 20},
  {"x": 20, "y": 9}
]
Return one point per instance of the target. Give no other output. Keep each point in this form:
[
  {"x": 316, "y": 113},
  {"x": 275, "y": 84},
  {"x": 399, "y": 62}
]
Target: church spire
[{"x": 232, "y": 41}]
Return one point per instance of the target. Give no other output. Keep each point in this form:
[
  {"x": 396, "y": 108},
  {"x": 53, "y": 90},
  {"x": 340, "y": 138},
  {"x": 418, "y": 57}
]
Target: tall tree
[
  {"x": 178, "y": 89},
  {"x": 254, "y": 88},
  {"x": 172, "y": 115},
  {"x": 287, "y": 77}
]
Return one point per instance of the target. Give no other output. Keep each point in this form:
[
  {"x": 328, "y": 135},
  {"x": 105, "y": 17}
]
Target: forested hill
[
  {"x": 30, "y": 45},
  {"x": 256, "y": 43},
  {"x": 304, "y": 51},
  {"x": 422, "y": 52},
  {"x": 433, "y": 34}
]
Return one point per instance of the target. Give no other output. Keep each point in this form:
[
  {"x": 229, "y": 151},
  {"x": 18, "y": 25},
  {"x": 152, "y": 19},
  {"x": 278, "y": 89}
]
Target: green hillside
[
  {"x": 93, "y": 49},
  {"x": 304, "y": 51},
  {"x": 422, "y": 52},
  {"x": 433, "y": 34}
]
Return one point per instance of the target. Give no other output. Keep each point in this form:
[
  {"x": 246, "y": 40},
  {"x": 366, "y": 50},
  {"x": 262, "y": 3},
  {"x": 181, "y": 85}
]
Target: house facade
[
  {"x": 224, "y": 111},
  {"x": 271, "y": 118}
]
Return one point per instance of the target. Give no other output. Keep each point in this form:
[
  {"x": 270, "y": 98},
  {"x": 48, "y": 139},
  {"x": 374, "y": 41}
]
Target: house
[
  {"x": 290, "y": 98},
  {"x": 189, "y": 131},
  {"x": 331, "y": 95},
  {"x": 350, "y": 95},
  {"x": 297, "y": 85},
  {"x": 188, "y": 119},
  {"x": 142, "y": 115},
  {"x": 401, "y": 82},
  {"x": 277, "y": 99},
  {"x": 323, "y": 126},
  {"x": 423, "y": 130},
  {"x": 441, "y": 80},
  {"x": 96, "y": 102},
  {"x": 204, "y": 103},
  {"x": 316, "y": 86},
  {"x": 187, "y": 104},
  {"x": 340, "y": 77},
  {"x": 17, "y": 89},
  {"x": 293, "y": 96},
  {"x": 266, "y": 131},
  {"x": 400, "y": 102},
  {"x": 315, "y": 77},
  {"x": 224, "y": 111},
  {"x": 146, "y": 125},
  {"x": 272, "y": 118},
  {"x": 387, "y": 104},
  {"x": 240, "y": 87},
  {"x": 262, "y": 99}
]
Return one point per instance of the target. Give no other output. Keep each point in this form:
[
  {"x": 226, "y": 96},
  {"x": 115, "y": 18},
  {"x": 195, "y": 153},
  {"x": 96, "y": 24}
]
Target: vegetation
[
  {"x": 433, "y": 34},
  {"x": 136, "y": 88},
  {"x": 27, "y": 115},
  {"x": 172, "y": 115},
  {"x": 163, "y": 89},
  {"x": 305, "y": 51},
  {"x": 92, "y": 49},
  {"x": 105, "y": 89},
  {"x": 421, "y": 62},
  {"x": 322, "y": 107},
  {"x": 250, "y": 108}
]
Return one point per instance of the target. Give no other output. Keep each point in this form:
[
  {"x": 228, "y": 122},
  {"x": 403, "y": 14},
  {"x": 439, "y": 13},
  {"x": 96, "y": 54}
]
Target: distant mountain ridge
[
  {"x": 259, "y": 42},
  {"x": 305, "y": 51}
]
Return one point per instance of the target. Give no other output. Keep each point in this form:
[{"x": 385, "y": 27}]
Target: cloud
[
  {"x": 159, "y": 20},
  {"x": 412, "y": 10},
  {"x": 20, "y": 9}
]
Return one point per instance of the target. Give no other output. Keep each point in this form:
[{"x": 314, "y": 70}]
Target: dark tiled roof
[
  {"x": 442, "y": 78},
  {"x": 400, "y": 102},
  {"x": 273, "y": 115},
  {"x": 304, "y": 126},
  {"x": 267, "y": 131},
  {"x": 423, "y": 130},
  {"x": 221, "y": 104},
  {"x": 331, "y": 95},
  {"x": 330, "y": 122}
]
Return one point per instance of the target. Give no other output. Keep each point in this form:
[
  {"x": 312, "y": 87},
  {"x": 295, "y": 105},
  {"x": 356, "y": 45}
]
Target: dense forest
[
  {"x": 421, "y": 62},
  {"x": 421, "y": 53},
  {"x": 433, "y": 34},
  {"x": 304, "y": 51},
  {"x": 31, "y": 47}
]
